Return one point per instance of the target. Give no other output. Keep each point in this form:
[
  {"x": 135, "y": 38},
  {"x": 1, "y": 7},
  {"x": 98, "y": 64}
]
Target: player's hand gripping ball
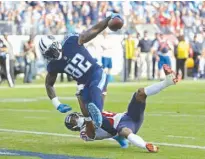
[{"x": 116, "y": 22}]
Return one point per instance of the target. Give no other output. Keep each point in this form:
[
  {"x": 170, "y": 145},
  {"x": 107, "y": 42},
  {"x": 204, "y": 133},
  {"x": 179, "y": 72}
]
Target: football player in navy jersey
[{"x": 74, "y": 59}]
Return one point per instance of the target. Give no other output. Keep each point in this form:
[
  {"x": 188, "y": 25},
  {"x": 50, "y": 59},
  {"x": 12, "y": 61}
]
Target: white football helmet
[{"x": 50, "y": 48}]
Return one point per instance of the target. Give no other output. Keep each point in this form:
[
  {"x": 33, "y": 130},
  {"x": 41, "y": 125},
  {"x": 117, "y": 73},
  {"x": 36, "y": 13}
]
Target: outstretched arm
[
  {"x": 96, "y": 29},
  {"x": 93, "y": 32},
  {"x": 50, "y": 81}
]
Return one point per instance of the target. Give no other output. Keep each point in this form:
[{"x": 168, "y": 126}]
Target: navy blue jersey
[{"x": 76, "y": 61}]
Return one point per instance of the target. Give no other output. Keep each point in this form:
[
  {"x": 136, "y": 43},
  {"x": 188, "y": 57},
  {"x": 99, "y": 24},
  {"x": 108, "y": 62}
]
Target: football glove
[
  {"x": 113, "y": 15},
  {"x": 63, "y": 108}
]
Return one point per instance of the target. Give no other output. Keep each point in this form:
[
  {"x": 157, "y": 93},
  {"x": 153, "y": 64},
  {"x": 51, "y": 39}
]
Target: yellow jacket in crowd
[
  {"x": 182, "y": 50},
  {"x": 129, "y": 48}
]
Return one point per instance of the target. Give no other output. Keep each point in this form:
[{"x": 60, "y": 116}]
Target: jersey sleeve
[
  {"x": 50, "y": 67},
  {"x": 71, "y": 37},
  {"x": 55, "y": 67},
  {"x": 84, "y": 136}
]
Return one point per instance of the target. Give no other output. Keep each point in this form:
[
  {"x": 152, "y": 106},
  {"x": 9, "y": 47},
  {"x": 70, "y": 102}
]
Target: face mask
[{"x": 80, "y": 122}]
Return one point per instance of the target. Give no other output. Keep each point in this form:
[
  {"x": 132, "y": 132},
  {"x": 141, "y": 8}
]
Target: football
[{"x": 115, "y": 24}]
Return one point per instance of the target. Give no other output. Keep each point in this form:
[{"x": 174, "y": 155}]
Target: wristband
[
  {"x": 88, "y": 119},
  {"x": 56, "y": 102}
]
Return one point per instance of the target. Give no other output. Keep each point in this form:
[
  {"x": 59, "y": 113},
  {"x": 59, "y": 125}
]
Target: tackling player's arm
[{"x": 90, "y": 128}]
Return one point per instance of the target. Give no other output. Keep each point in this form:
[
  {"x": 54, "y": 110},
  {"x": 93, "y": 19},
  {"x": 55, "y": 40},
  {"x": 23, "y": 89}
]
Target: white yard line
[
  {"x": 180, "y": 145},
  {"x": 27, "y": 110},
  {"x": 8, "y": 153},
  {"x": 34, "y": 117},
  {"x": 37, "y": 133},
  {"x": 183, "y": 137},
  {"x": 75, "y": 136},
  {"x": 174, "y": 115}
]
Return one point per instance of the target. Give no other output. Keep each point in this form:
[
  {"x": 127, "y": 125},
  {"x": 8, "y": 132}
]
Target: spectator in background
[
  {"x": 76, "y": 17},
  {"x": 188, "y": 21},
  {"x": 145, "y": 45},
  {"x": 202, "y": 64},
  {"x": 129, "y": 52},
  {"x": 164, "y": 18},
  {"x": 94, "y": 11},
  {"x": 30, "y": 57},
  {"x": 136, "y": 59},
  {"x": 178, "y": 22},
  {"x": 11, "y": 56},
  {"x": 79, "y": 27},
  {"x": 163, "y": 53},
  {"x": 4, "y": 64},
  {"x": 107, "y": 55},
  {"x": 26, "y": 21},
  {"x": 182, "y": 55},
  {"x": 154, "y": 53},
  {"x": 85, "y": 11},
  {"x": 197, "y": 49},
  {"x": 88, "y": 22},
  {"x": 202, "y": 58}
]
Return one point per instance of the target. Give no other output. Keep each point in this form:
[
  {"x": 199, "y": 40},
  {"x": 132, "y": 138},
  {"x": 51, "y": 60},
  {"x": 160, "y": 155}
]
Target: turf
[{"x": 175, "y": 116}]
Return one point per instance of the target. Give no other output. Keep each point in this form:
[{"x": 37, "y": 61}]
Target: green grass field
[{"x": 174, "y": 120}]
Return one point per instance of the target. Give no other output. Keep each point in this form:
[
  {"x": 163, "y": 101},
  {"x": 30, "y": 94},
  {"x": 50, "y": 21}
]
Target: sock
[
  {"x": 136, "y": 140},
  {"x": 157, "y": 87}
]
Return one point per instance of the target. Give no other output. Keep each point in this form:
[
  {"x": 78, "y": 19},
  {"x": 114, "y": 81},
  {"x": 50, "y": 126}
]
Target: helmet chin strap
[{"x": 60, "y": 56}]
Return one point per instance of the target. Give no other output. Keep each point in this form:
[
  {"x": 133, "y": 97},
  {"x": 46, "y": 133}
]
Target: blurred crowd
[{"x": 39, "y": 17}]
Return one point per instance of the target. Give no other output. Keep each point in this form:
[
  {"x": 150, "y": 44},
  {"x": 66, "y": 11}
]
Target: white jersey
[{"x": 101, "y": 134}]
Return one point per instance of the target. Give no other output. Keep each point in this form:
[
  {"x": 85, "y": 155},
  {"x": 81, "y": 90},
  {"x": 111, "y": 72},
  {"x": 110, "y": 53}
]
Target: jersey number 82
[{"x": 78, "y": 66}]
